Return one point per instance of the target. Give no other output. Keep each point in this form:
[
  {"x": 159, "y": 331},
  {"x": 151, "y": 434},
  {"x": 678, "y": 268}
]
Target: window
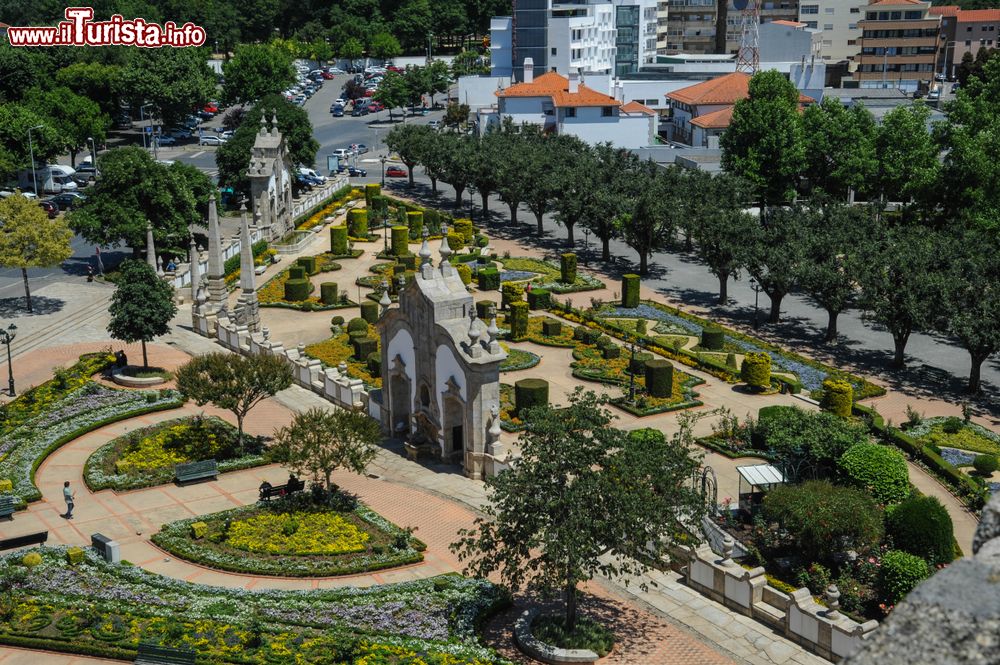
[
  {"x": 827, "y": 42},
  {"x": 553, "y": 50},
  {"x": 912, "y": 15},
  {"x": 871, "y": 16},
  {"x": 895, "y": 16},
  {"x": 852, "y": 42},
  {"x": 968, "y": 42},
  {"x": 828, "y": 10},
  {"x": 606, "y": 111},
  {"x": 810, "y": 24},
  {"x": 809, "y": 9},
  {"x": 855, "y": 10},
  {"x": 852, "y": 26},
  {"x": 571, "y": 112},
  {"x": 828, "y": 26},
  {"x": 969, "y": 29}
]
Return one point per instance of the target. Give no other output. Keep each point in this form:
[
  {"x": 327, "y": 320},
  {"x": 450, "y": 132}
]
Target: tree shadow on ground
[
  {"x": 430, "y": 463},
  {"x": 15, "y": 308}
]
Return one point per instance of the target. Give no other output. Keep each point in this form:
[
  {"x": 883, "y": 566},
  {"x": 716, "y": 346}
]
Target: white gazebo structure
[{"x": 755, "y": 481}]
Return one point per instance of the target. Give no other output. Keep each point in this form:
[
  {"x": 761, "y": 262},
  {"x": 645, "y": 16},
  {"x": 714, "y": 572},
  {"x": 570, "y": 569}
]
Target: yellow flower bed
[
  {"x": 327, "y": 210},
  {"x": 297, "y": 533},
  {"x": 156, "y": 452},
  {"x": 338, "y": 350}
]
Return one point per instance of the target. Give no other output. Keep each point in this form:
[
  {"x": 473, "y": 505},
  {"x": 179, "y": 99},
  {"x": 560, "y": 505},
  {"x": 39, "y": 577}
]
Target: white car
[
  {"x": 340, "y": 101},
  {"x": 211, "y": 140},
  {"x": 311, "y": 173},
  {"x": 335, "y": 70},
  {"x": 434, "y": 124}
]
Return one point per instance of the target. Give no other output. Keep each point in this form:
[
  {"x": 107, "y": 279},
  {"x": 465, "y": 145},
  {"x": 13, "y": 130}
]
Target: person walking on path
[{"x": 68, "y": 494}]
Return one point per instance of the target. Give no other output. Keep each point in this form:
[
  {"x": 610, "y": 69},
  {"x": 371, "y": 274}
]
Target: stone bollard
[
  {"x": 832, "y": 602},
  {"x": 728, "y": 544}
]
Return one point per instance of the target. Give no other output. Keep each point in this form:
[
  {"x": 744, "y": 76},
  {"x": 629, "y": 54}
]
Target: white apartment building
[
  {"x": 838, "y": 19},
  {"x": 582, "y": 38}
]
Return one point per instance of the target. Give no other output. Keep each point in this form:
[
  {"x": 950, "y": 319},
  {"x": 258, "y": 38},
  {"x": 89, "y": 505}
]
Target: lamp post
[
  {"x": 757, "y": 288},
  {"x": 631, "y": 374},
  {"x": 586, "y": 242},
  {"x": 382, "y": 159},
  {"x": 31, "y": 152},
  {"x": 6, "y": 337},
  {"x": 385, "y": 236},
  {"x": 471, "y": 203},
  {"x": 142, "y": 120}
]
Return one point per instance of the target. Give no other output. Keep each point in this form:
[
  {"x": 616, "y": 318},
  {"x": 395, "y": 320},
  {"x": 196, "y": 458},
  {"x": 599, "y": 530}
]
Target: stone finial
[
  {"x": 266, "y": 332},
  {"x": 195, "y": 269},
  {"x": 445, "y": 250},
  {"x": 493, "y": 330},
  {"x": 385, "y": 301},
  {"x": 832, "y": 602},
  {"x": 263, "y": 124},
  {"x": 474, "y": 331},
  {"x": 425, "y": 250},
  {"x": 274, "y": 123},
  {"x": 728, "y": 544}
]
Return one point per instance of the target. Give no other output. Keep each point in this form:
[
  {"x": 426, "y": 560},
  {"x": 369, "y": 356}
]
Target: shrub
[
  {"x": 297, "y": 290},
  {"x": 338, "y": 240},
  {"x": 6, "y": 486},
  {"x": 297, "y": 271},
  {"x": 455, "y": 241},
  {"x": 369, "y": 311},
  {"x": 357, "y": 325},
  {"x": 822, "y": 518},
  {"x": 539, "y": 298},
  {"x": 415, "y": 224},
  {"x": 756, "y": 371},
  {"x": 488, "y": 279},
  {"x": 713, "y": 339},
  {"x": 551, "y": 328},
  {"x": 329, "y": 294},
  {"x": 611, "y": 351},
  {"x": 375, "y": 364},
  {"x": 529, "y": 393},
  {"x": 805, "y": 440},
  {"x": 899, "y": 574},
  {"x": 483, "y": 309},
  {"x": 640, "y": 326},
  {"x": 463, "y": 227},
  {"x": 879, "y": 470},
  {"x": 567, "y": 268},
  {"x": 400, "y": 241},
  {"x": 921, "y": 526},
  {"x": 464, "y": 273},
  {"x": 586, "y": 335},
  {"x": 309, "y": 263},
  {"x": 952, "y": 425},
  {"x": 31, "y": 559},
  {"x": 364, "y": 347},
  {"x": 637, "y": 363},
  {"x": 731, "y": 361},
  {"x": 630, "y": 290},
  {"x": 482, "y": 241},
  {"x": 408, "y": 262},
  {"x": 838, "y": 397},
  {"x": 518, "y": 320},
  {"x": 337, "y": 321},
  {"x": 357, "y": 223},
  {"x": 198, "y": 530},
  {"x": 74, "y": 555},
  {"x": 659, "y": 377},
  {"x": 372, "y": 190},
  {"x": 985, "y": 465},
  {"x": 510, "y": 292}
]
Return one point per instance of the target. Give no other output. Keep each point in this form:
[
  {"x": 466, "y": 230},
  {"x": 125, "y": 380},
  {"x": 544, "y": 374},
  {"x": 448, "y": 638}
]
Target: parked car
[
  {"x": 335, "y": 70},
  {"x": 355, "y": 172},
  {"x": 211, "y": 140},
  {"x": 311, "y": 173},
  {"x": 87, "y": 169},
  {"x": 434, "y": 124},
  {"x": 342, "y": 153},
  {"x": 375, "y": 107},
  {"x": 211, "y": 107},
  {"x": 327, "y": 76},
  {"x": 68, "y": 200},
  {"x": 337, "y": 112},
  {"x": 395, "y": 172},
  {"x": 359, "y": 148},
  {"x": 933, "y": 95},
  {"x": 205, "y": 115},
  {"x": 51, "y": 208},
  {"x": 164, "y": 139},
  {"x": 303, "y": 182},
  {"x": 180, "y": 133},
  {"x": 359, "y": 111}
]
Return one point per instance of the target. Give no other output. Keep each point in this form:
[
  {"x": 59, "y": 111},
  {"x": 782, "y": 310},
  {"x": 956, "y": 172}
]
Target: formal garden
[
  {"x": 306, "y": 534},
  {"x": 71, "y": 600}
]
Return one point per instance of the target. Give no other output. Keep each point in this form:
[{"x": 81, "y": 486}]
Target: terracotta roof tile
[
  {"x": 978, "y": 15},
  {"x": 895, "y": 2},
  {"x": 727, "y": 89},
  {"x": 715, "y": 119},
  {"x": 791, "y": 24},
  {"x": 636, "y": 107},
  {"x": 945, "y": 10},
  {"x": 556, "y": 86}
]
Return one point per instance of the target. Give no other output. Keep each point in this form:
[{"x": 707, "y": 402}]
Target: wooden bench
[
  {"x": 24, "y": 541},
  {"x": 193, "y": 471},
  {"x": 154, "y": 654},
  {"x": 267, "y": 493},
  {"x": 7, "y": 505}
]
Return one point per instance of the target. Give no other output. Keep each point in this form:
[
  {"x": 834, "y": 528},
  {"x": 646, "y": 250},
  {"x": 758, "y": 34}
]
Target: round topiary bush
[
  {"x": 338, "y": 240},
  {"x": 756, "y": 371},
  {"x": 464, "y": 273},
  {"x": 329, "y": 293},
  {"x": 369, "y": 311},
  {"x": 357, "y": 223},
  {"x": 838, "y": 397},
  {"x": 921, "y": 526},
  {"x": 985, "y": 465},
  {"x": 637, "y": 363},
  {"x": 337, "y": 321},
  {"x": 529, "y": 393},
  {"x": 357, "y": 325},
  {"x": 879, "y": 470},
  {"x": 31, "y": 559},
  {"x": 899, "y": 573},
  {"x": 713, "y": 339},
  {"x": 297, "y": 290},
  {"x": 659, "y": 377},
  {"x": 400, "y": 241}
]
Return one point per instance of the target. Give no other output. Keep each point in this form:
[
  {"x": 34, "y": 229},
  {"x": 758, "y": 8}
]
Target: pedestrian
[{"x": 68, "y": 494}]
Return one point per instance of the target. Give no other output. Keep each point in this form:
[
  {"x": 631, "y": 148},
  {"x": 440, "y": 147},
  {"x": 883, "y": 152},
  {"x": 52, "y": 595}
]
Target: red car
[
  {"x": 395, "y": 172},
  {"x": 51, "y": 208},
  {"x": 211, "y": 107},
  {"x": 394, "y": 68},
  {"x": 369, "y": 93},
  {"x": 375, "y": 107},
  {"x": 326, "y": 75}
]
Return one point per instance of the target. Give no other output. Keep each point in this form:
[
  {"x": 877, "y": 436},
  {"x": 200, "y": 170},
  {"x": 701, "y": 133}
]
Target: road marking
[{"x": 198, "y": 154}]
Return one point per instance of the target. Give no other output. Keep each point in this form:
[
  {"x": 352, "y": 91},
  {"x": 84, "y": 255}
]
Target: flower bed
[
  {"x": 518, "y": 359},
  {"x": 146, "y": 457},
  {"x": 963, "y": 435},
  {"x": 545, "y": 274},
  {"x": 508, "y": 421},
  {"x": 272, "y": 294},
  {"x": 99, "y": 609},
  {"x": 293, "y": 537},
  {"x": 338, "y": 199},
  {"x": 86, "y": 408},
  {"x": 563, "y": 340},
  {"x": 338, "y": 349}
]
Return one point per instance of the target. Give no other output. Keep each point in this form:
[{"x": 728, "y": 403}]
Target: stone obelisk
[
  {"x": 217, "y": 291},
  {"x": 249, "y": 306},
  {"x": 195, "y": 269}
]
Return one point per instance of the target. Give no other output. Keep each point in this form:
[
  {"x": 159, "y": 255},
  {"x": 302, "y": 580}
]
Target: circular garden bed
[
  {"x": 147, "y": 456},
  {"x": 297, "y": 536}
]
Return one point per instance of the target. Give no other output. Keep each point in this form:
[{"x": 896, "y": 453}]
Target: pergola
[{"x": 755, "y": 481}]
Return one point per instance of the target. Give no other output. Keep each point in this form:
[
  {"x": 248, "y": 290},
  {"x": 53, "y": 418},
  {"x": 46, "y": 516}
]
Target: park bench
[
  {"x": 267, "y": 493},
  {"x": 7, "y": 505},
  {"x": 24, "y": 541},
  {"x": 192, "y": 471},
  {"x": 154, "y": 654}
]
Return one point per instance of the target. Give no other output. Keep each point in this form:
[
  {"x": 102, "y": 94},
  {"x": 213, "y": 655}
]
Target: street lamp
[
  {"x": 471, "y": 209},
  {"x": 93, "y": 155},
  {"x": 142, "y": 120},
  {"x": 757, "y": 288},
  {"x": 631, "y": 374},
  {"x": 6, "y": 337},
  {"x": 586, "y": 242},
  {"x": 383, "y": 170},
  {"x": 34, "y": 178}
]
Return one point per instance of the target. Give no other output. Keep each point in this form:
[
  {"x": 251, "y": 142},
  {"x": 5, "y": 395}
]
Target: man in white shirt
[{"x": 68, "y": 494}]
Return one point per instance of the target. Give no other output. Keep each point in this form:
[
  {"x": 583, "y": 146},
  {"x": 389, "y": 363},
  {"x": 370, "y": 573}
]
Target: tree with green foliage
[
  {"x": 133, "y": 192},
  {"x": 764, "y": 142},
  {"x": 657, "y": 211},
  {"x": 922, "y": 526},
  {"x": 233, "y": 157},
  {"x": 458, "y": 155},
  {"x": 351, "y": 49},
  {"x": 547, "y": 521},
  {"x": 807, "y": 443},
  {"x": 173, "y": 80},
  {"x": 233, "y": 382},
  {"x": 898, "y": 276},
  {"x": 438, "y": 78},
  {"x": 619, "y": 183},
  {"x": 517, "y": 146},
  {"x": 141, "y": 306},
  {"x": 839, "y": 147},
  {"x": 577, "y": 201},
  {"x": 393, "y": 92},
  {"x": 320, "y": 441},
  {"x": 255, "y": 71},
  {"x": 410, "y": 143},
  {"x": 775, "y": 248},
  {"x": 720, "y": 230},
  {"x": 488, "y": 151},
  {"x": 15, "y": 121},
  {"x": 29, "y": 239},
  {"x": 908, "y": 163},
  {"x": 456, "y": 115},
  {"x": 544, "y": 175},
  {"x": 468, "y": 63},
  {"x": 93, "y": 80},
  {"x": 385, "y": 46},
  {"x": 22, "y": 69},
  {"x": 76, "y": 118},
  {"x": 411, "y": 23}
]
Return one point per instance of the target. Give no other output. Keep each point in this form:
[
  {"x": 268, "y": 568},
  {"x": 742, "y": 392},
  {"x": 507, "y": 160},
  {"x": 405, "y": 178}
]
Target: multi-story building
[
  {"x": 589, "y": 36},
  {"x": 662, "y": 24},
  {"x": 693, "y": 25},
  {"x": 838, "y": 19},
  {"x": 965, "y": 31},
  {"x": 898, "y": 46}
]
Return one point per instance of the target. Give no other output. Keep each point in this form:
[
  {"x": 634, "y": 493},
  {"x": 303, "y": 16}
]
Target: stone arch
[
  {"x": 456, "y": 438},
  {"x": 400, "y": 402}
]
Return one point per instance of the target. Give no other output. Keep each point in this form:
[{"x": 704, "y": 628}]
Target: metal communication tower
[{"x": 748, "y": 58}]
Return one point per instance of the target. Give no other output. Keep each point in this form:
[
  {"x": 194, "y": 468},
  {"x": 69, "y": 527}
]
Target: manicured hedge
[
  {"x": 364, "y": 347},
  {"x": 357, "y": 325},
  {"x": 483, "y": 309},
  {"x": 838, "y": 395},
  {"x": 539, "y": 298},
  {"x": 369, "y": 311},
  {"x": 630, "y": 290},
  {"x": 529, "y": 393},
  {"x": 899, "y": 573},
  {"x": 489, "y": 279},
  {"x": 464, "y": 273},
  {"x": 637, "y": 363},
  {"x": 510, "y": 292},
  {"x": 567, "y": 268},
  {"x": 921, "y": 526},
  {"x": 611, "y": 351},
  {"x": 756, "y": 371},
  {"x": 372, "y": 190},
  {"x": 455, "y": 241},
  {"x": 518, "y": 320},
  {"x": 297, "y": 290},
  {"x": 551, "y": 327},
  {"x": 713, "y": 339},
  {"x": 879, "y": 470},
  {"x": 400, "y": 240},
  {"x": 415, "y": 223},
  {"x": 659, "y": 377},
  {"x": 464, "y": 228},
  {"x": 297, "y": 271},
  {"x": 338, "y": 240},
  {"x": 357, "y": 223},
  {"x": 329, "y": 293},
  {"x": 309, "y": 263}
]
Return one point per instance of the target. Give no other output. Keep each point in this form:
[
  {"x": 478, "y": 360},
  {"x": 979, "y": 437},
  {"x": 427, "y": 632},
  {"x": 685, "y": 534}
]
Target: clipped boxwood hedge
[
  {"x": 756, "y": 371},
  {"x": 838, "y": 395},
  {"x": 518, "y": 320},
  {"x": 567, "y": 268},
  {"x": 338, "y": 240},
  {"x": 630, "y": 290},
  {"x": 879, "y": 470},
  {"x": 529, "y": 393},
  {"x": 659, "y": 377}
]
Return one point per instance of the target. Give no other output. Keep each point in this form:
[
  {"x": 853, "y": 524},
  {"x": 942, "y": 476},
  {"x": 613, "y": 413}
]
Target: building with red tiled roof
[
  {"x": 965, "y": 31},
  {"x": 564, "y": 105}
]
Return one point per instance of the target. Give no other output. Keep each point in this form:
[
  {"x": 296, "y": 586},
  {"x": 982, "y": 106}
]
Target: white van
[
  {"x": 311, "y": 173},
  {"x": 49, "y": 180},
  {"x": 63, "y": 169}
]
